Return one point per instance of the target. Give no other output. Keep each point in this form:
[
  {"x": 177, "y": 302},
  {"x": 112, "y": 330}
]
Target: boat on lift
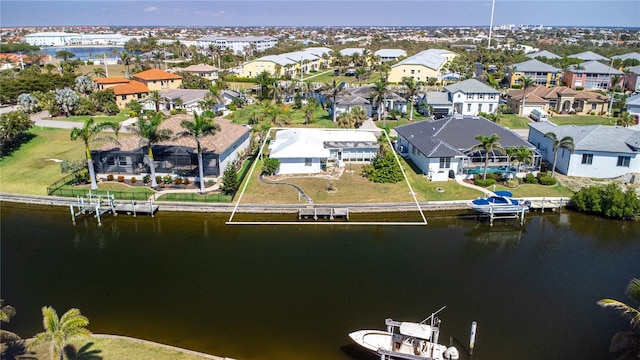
[
  {"x": 407, "y": 340},
  {"x": 500, "y": 203}
]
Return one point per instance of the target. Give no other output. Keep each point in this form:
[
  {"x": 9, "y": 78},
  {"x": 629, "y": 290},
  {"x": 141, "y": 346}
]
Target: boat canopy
[{"x": 421, "y": 331}]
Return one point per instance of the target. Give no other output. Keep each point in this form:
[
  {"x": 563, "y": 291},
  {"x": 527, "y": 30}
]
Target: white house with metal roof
[
  {"x": 631, "y": 55},
  {"x": 390, "y": 54},
  {"x": 599, "y": 151},
  {"x": 589, "y": 56},
  {"x": 543, "y": 54},
  {"x": 309, "y": 151},
  {"x": 442, "y": 148},
  {"x": 470, "y": 97},
  {"x": 238, "y": 44}
]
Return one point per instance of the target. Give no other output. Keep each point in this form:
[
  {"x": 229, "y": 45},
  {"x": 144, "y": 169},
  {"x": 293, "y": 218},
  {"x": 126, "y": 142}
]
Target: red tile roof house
[
  {"x": 560, "y": 99},
  {"x": 177, "y": 156},
  {"x": 156, "y": 79}
]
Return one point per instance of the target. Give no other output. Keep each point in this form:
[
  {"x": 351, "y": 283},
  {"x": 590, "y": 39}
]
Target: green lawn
[
  {"x": 322, "y": 118},
  {"x": 530, "y": 190},
  {"x": 513, "y": 121},
  {"x": 581, "y": 120},
  {"x": 122, "y": 116}
]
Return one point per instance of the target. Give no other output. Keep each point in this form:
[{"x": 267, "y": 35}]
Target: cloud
[{"x": 151, "y": 8}]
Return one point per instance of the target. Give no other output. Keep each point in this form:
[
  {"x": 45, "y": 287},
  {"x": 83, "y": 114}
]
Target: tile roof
[
  {"x": 454, "y": 135},
  {"x": 156, "y": 74},
  {"x": 541, "y": 93},
  {"x": 111, "y": 80},
  {"x": 217, "y": 143},
  {"x": 132, "y": 87}
]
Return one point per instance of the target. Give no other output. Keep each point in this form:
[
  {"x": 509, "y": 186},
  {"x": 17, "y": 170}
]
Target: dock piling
[{"x": 472, "y": 337}]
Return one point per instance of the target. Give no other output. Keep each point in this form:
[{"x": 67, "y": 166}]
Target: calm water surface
[{"x": 295, "y": 292}]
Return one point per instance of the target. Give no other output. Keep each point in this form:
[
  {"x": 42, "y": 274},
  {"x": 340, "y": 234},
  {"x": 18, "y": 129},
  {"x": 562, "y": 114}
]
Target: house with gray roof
[
  {"x": 351, "y": 51},
  {"x": 631, "y": 55},
  {"x": 589, "y": 56},
  {"x": 632, "y": 78},
  {"x": 590, "y": 75},
  {"x": 543, "y": 54},
  {"x": 442, "y": 148},
  {"x": 390, "y": 54},
  {"x": 470, "y": 97},
  {"x": 536, "y": 70},
  {"x": 633, "y": 106},
  {"x": 599, "y": 151},
  {"x": 439, "y": 101}
]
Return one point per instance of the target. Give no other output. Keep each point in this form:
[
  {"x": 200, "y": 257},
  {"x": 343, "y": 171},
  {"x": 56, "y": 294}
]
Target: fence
[
  {"x": 193, "y": 197},
  {"x": 51, "y": 190},
  {"x": 117, "y": 194}
]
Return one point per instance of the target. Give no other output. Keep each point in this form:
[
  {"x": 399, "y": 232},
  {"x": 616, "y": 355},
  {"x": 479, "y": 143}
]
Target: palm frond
[{"x": 625, "y": 310}]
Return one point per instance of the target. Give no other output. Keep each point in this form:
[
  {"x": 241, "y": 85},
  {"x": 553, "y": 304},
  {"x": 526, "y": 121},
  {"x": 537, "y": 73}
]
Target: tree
[
  {"x": 488, "y": 145},
  {"x": 230, "y": 180},
  {"x": 627, "y": 342},
  {"x": 88, "y": 133},
  {"x": 522, "y": 155},
  {"x": 566, "y": 142},
  {"x": 67, "y": 99},
  {"x": 6, "y": 313},
  {"x": 99, "y": 72},
  {"x": 345, "y": 120},
  {"x": 200, "y": 127},
  {"x": 411, "y": 89},
  {"x": 309, "y": 111},
  {"x": 83, "y": 85},
  {"x": 59, "y": 331},
  {"x": 125, "y": 58},
  {"x": 333, "y": 91},
  {"x": 211, "y": 99},
  {"x": 64, "y": 55},
  {"x": 379, "y": 92},
  {"x": 265, "y": 80},
  {"x": 359, "y": 116},
  {"x": 149, "y": 130},
  {"x": 625, "y": 119},
  {"x": 156, "y": 98},
  {"x": 270, "y": 166},
  {"x": 13, "y": 129},
  {"x": 28, "y": 103},
  {"x": 527, "y": 82}
]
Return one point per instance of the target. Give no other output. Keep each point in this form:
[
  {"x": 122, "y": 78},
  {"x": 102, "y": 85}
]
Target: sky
[{"x": 584, "y": 13}]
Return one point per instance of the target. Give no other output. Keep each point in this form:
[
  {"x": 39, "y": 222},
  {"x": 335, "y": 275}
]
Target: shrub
[
  {"x": 530, "y": 179},
  {"x": 173, "y": 111},
  {"x": 177, "y": 181},
  {"x": 110, "y": 177},
  {"x": 270, "y": 166},
  {"x": 547, "y": 180},
  {"x": 146, "y": 179},
  {"x": 121, "y": 178},
  {"x": 608, "y": 200},
  {"x": 186, "y": 181},
  {"x": 134, "y": 180},
  {"x": 484, "y": 183},
  {"x": 384, "y": 169},
  {"x": 167, "y": 179},
  {"x": 158, "y": 179},
  {"x": 232, "y": 107},
  {"x": 511, "y": 183}
]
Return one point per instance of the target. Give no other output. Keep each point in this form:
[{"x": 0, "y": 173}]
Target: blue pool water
[{"x": 498, "y": 169}]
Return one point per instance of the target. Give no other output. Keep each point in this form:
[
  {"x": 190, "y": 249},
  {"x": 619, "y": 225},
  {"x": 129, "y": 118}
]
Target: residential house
[
  {"x": 203, "y": 70},
  {"x": 288, "y": 64},
  {"x": 590, "y": 75},
  {"x": 106, "y": 83},
  {"x": 132, "y": 90},
  {"x": 390, "y": 54},
  {"x": 190, "y": 98},
  {"x": 544, "y": 54},
  {"x": 588, "y": 56},
  {"x": 439, "y": 101},
  {"x": 633, "y": 106},
  {"x": 421, "y": 66},
  {"x": 156, "y": 79},
  {"x": 539, "y": 72},
  {"x": 309, "y": 151},
  {"x": 175, "y": 156},
  {"x": 598, "y": 151},
  {"x": 470, "y": 97},
  {"x": 441, "y": 149},
  {"x": 627, "y": 56},
  {"x": 631, "y": 78},
  {"x": 559, "y": 99}
]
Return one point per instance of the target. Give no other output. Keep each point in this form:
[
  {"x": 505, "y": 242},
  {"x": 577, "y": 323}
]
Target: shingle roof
[
  {"x": 634, "y": 69},
  {"x": 589, "y": 56},
  {"x": 351, "y": 51},
  {"x": 471, "y": 86},
  {"x": 543, "y": 53},
  {"x": 594, "y": 137},
  {"x": 187, "y": 95},
  {"x": 534, "y": 65},
  {"x": 156, "y": 74},
  {"x": 437, "y": 98},
  {"x": 454, "y": 135}
]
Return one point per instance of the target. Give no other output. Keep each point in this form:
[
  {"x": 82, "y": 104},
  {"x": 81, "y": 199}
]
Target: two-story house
[
  {"x": 156, "y": 79},
  {"x": 421, "y": 66},
  {"x": 470, "y": 97},
  {"x": 536, "y": 70},
  {"x": 590, "y": 75}
]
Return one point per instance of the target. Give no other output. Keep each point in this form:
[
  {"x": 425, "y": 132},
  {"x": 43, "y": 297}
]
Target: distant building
[
  {"x": 53, "y": 39},
  {"x": 421, "y": 66},
  {"x": 390, "y": 54},
  {"x": 239, "y": 44}
]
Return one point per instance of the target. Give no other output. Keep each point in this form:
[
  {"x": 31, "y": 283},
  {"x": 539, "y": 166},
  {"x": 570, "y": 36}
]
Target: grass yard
[
  {"x": 581, "y": 120},
  {"x": 116, "y": 70},
  {"x": 111, "y": 349},
  {"x": 530, "y": 190},
  {"x": 322, "y": 118},
  {"x": 120, "y": 117},
  {"x": 513, "y": 121}
]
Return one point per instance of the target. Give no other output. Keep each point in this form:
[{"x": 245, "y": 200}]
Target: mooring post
[
  {"x": 133, "y": 206},
  {"x": 73, "y": 214},
  {"x": 542, "y": 204},
  {"x": 522, "y": 216},
  {"x": 98, "y": 213},
  {"x": 151, "y": 207},
  {"x": 472, "y": 337},
  {"x": 491, "y": 216}
]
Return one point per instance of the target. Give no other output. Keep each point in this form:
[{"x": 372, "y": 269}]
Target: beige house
[
  {"x": 289, "y": 64},
  {"x": 133, "y": 90},
  {"x": 106, "y": 83},
  {"x": 156, "y": 79},
  {"x": 560, "y": 99},
  {"x": 421, "y": 66},
  {"x": 203, "y": 70}
]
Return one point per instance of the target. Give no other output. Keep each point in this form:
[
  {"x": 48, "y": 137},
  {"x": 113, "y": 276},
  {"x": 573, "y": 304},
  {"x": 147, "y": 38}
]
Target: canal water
[
  {"x": 295, "y": 292},
  {"x": 86, "y": 53}
]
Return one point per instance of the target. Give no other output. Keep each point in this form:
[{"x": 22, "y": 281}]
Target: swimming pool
[{"x": 494, "y": 169}]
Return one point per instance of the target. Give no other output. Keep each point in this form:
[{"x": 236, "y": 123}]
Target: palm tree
[
  {"x": 333, "y": 92},
  {"x": 627, "y": 341},
  {"x": 527, "y": 82},
  {"x": 566, "y": 142},
  {"x": 625, "y": 119},
  {"x": 488, "y": 144},
  {"x": 59, "y": 331},
  {"x": 211, "y": 99},
  {"x": 379, "y": 92},
  {"x": 200, "y": 127},
  {"x": 125, "y": 57},
  {"x": 345, "y": 120},
  {"x": 150, "y": 132},
  {"x": 6, "y": 313},
  {"x": 522, "y": 155},
  {"x": 264, "y": 80},
  {"x": 411, "y": 89},
  {"x": 156, "y": 98},
  {"x": 359, "y": 115},
  {"x": 87, "y": 133},
  {"x": 309, "y": 111}
]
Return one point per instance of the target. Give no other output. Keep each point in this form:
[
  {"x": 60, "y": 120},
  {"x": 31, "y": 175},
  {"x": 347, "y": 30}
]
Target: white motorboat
[
  {"x": 502, "y": 203},
  {"x": 414, "y": 341}
]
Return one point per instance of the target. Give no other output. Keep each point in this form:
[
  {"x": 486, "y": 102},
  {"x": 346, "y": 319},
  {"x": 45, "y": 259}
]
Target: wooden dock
[
  {"x": 135, "y": 207},
  {"x": 323, "y": 213},
  {"x": 101, "y": 204}
]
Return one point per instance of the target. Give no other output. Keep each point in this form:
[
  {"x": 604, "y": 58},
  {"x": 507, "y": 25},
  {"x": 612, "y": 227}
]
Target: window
[
  {"x": 490, "y": 107},
  {"x": 587, "y": 159},
  {"x": 594, "y": 106},
  {"x": 479, "y": 107},
  {"x": 111, "y": 161},
  {"x": 122, "y": 161},
  {"x": 412, "y": 71},
  {"x": 480, "y": 96},
  {"x": 307, "y": 162},
  {"x": 624, "y": 161},
  {"x": 468, "y": 107},
  {"x": 124, "y": 97},
  {"x": 445, "y": 162},
  {"x": 469, "y": 96},
  {"x": 492, "y": 96}
]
